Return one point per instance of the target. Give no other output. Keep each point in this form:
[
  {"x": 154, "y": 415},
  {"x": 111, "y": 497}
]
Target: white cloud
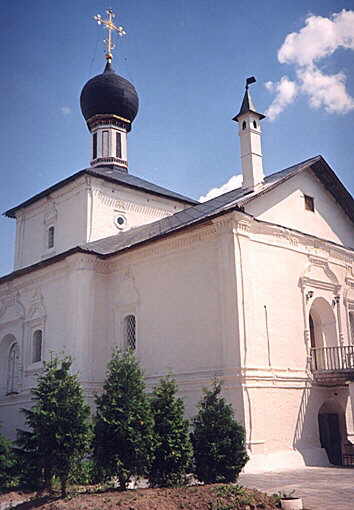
[
  {"x": 286, "y": 91},
  {"x": 234, "y": 182},
  {"x": 319, "y": 38},
  {"x": 326, "y": 90},
  {"x": 65, "y": 110}
]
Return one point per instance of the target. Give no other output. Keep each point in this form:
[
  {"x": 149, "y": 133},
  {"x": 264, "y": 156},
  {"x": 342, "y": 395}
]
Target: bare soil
[{"x": 199, "y": 497}]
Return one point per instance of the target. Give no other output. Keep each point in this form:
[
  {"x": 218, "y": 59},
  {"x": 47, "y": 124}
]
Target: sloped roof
[
  {"x": 234, "y": 199},
  {"x": 247, "y": 106},
  {"x": 110, "y": 174},
  {"x": 202, "y": 212}
]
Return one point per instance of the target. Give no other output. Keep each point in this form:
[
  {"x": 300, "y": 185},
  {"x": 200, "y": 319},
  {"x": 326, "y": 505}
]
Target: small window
[
  {"x": 309, "y": 203},
  {"x": 37, "y": 346},
  {"x": 255, "y": 124},
  {"x": 119, "y": 145},
  {"x": 105, "y": 135},
  {"x": 244, "y": 124},
  {"x": 130, "y": 332},
  {"x": 94, "y": 146},
  {"x": 50, "y": 237}
]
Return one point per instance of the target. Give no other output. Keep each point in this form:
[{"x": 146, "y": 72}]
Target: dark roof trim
[
  {"x": 42, "y": 263},
  {"x": 11, "y": 213},
  {"x": 327, "y": 177},
  {"x": 339, "y": 192},
  {"x": 78, "y": 249}
]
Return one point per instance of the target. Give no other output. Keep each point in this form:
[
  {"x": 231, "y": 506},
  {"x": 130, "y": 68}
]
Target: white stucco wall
[
  {"x": 82, "y": 211},
  {"x": 199, "y": 299},
  {"x": 285, "y": 205},
  {"x": 107, "y": 201}
]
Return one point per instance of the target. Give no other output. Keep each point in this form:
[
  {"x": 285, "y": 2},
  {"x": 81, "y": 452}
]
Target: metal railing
[
  {"x": 332, "y": 358},
  {"x": 348, "y": 460}
]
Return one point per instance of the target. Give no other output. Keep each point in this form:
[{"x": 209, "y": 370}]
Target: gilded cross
[{"x": 111, "y": 27}]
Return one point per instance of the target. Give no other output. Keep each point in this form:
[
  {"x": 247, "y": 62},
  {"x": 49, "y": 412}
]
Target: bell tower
[{"x": 250, "y": 140}]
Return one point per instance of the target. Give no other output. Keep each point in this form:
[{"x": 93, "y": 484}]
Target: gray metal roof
[
  {"x": 201, "y": 212},
  {"x": 110, "y": 174},
  {"x": 234, "y": 199}
]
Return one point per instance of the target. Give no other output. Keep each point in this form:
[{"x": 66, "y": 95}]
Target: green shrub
[
  {"x": 7, "y": 464},
  {"x": 218, "y": 439},
  {"x": 173, "y": 451},
  {"x": 124, "y": 436},
  {"x": 58, "y": 434}
]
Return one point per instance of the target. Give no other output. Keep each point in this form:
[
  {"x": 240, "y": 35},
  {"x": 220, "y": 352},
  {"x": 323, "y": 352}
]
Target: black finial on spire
[
  {"x": 249, "y": 81},
  {"x": 247, "y": 103}
]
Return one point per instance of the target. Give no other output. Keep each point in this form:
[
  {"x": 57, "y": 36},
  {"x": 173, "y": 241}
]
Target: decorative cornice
[
  {"x": 280, "y": 236},
  {"x": 110, "y": 160},
  {"x": 108, "y": 120}
]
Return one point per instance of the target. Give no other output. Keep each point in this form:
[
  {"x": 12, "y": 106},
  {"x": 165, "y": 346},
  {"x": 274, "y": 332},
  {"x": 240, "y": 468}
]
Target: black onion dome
[{"x": 109, "y": 93}]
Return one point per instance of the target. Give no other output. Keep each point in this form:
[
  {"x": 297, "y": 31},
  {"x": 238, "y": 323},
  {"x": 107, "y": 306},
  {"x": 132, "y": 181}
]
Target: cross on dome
[{"x": 111, "y": 27}]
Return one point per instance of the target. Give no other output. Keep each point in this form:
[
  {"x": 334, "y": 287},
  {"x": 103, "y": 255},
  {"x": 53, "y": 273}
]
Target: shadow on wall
[
  {"x": 306, "y": 427},
  {"x": 307, "y": 441}
]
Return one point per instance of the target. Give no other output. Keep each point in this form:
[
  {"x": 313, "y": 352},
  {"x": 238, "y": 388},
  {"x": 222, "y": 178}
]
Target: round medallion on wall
[{"x": 120, "y": 221}]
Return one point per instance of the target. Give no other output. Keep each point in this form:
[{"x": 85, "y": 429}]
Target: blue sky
[{"x": 188, "y": 61}]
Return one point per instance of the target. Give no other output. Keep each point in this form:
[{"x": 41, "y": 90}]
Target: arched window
[
  {"x": 130, "y": 332},
  {"x": 12, "y": 369},
  {"x": 244, "y": 124},
  {"x": 255, "y": 124},
  {"x": 50, "y": 237},
  {"x": 37, "y": 346}
]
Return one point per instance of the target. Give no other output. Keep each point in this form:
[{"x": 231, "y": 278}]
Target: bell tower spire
[{"x": 250, "y": 140}]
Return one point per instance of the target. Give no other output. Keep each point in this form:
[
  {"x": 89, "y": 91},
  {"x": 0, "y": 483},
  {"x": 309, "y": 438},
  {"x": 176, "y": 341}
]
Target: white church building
[{"x": 255, "y": 286}]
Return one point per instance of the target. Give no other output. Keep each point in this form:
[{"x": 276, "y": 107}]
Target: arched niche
[
  {"x": 323, "y": 327},
  {"x": 9, "y": 365}
]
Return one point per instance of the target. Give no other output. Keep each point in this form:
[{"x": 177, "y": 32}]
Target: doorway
[
  {"x": 330, "y": 437},
  {"x": 331, "y": 424}
]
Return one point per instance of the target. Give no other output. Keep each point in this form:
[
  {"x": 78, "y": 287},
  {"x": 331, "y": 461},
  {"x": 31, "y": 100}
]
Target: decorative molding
[
  {"x": 127, "y": 205},
  {"x": 51, "y": 213},
  {"x": 11, "y": 309}
]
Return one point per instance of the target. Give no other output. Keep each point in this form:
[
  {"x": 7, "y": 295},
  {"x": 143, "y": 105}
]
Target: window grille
[
  {"x": 50, "y": 237},
  {"x": 130, "y": 332},
  {"x": 118, "y": 145},
  {"x": 37, "y": 346}
]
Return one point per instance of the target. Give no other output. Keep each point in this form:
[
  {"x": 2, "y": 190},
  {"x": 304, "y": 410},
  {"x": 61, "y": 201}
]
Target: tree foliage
[
  {"x": 58, "y": 434},
  {"x": 124, "y": 439},
  {"x": 173, "y": 451},
  {"x": 218, "y": 439},
  {"x": 7, "y": 463}
]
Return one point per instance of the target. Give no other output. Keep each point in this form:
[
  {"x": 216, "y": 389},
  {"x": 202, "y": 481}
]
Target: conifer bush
[
  {"x": 173, "y": 451},
  {"x": 124, "y": 436},
  {"x": 218, "y": 439},
  {"x": 58, "y": 435},
  {"x": 7, "y": 464}
]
